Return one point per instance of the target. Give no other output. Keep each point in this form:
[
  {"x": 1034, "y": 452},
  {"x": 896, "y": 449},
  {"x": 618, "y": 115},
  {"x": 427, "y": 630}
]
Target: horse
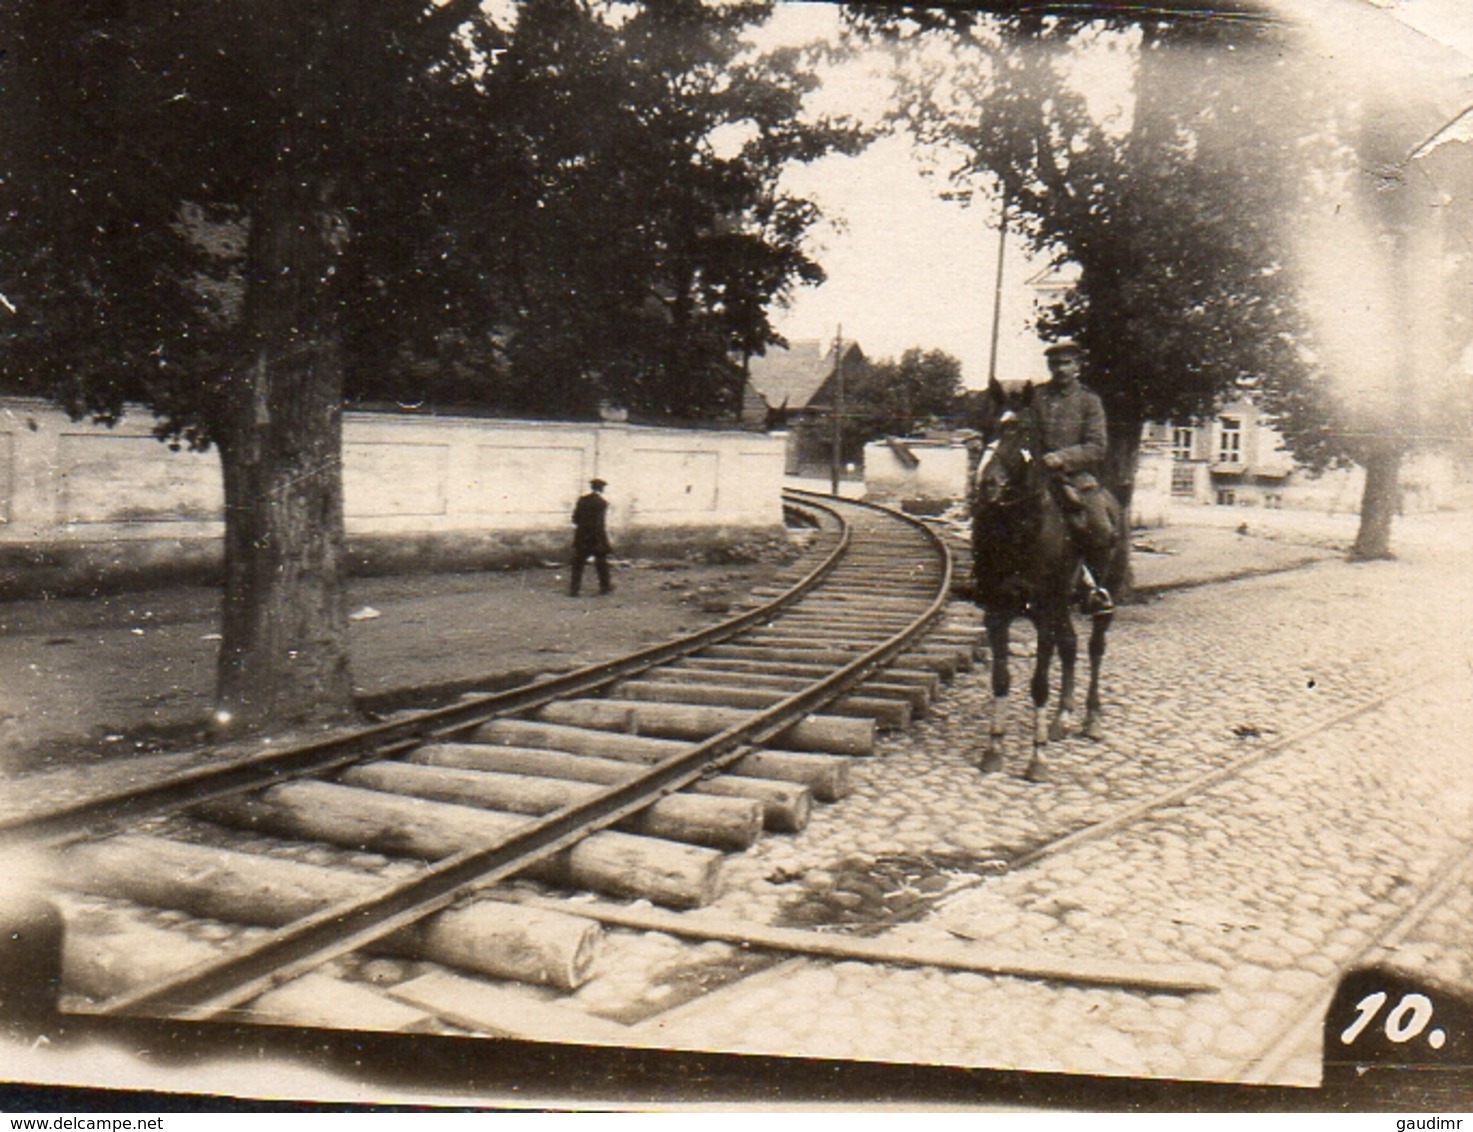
[{"x": 1026, "y": 564}]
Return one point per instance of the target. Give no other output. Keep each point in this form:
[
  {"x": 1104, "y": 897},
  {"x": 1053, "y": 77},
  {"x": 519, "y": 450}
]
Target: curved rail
[
  {"x": 334, "y": 752},
  {"x": 220, "y": 984}
]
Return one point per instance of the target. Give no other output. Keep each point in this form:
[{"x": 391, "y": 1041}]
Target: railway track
[
  {"x": 473, "y": 942},
  {"x": 228, "y": 892}
]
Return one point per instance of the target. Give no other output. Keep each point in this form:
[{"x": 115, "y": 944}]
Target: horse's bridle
[{"x": 1005, "y": 499}]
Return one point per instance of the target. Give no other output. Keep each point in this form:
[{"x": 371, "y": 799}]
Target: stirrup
[{"x": 1097, "y": 599}]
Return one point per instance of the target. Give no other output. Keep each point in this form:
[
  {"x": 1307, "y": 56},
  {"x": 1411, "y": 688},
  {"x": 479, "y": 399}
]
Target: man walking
[
  {"x": 1073, "y": 422},
  {"x": 591, "y": 537}
]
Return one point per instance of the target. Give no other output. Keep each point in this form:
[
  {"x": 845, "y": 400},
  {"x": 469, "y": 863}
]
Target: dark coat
[
  {"x": 590, "y": 536},
  {"x": 1073, "y": 425}
]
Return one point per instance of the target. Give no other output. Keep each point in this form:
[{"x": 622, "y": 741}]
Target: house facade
[{"x": 1237, "y": 458}]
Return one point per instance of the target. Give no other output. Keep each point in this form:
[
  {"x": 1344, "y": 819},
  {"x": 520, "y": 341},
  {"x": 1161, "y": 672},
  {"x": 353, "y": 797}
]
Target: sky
[{"x": 906, "y": 268}]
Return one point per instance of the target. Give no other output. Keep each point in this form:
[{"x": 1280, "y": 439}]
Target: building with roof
[{"x": 798, "y": 389}]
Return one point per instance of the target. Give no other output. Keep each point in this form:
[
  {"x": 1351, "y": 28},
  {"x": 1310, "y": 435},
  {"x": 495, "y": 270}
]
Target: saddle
[
  {"x": 1071, "y": 492},
  {"x": 1070, "y": 489}
]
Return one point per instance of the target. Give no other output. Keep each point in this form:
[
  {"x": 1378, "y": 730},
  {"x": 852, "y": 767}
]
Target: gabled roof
[{"x": 792, "y": 376}]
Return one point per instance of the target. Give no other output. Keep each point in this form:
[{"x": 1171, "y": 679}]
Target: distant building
[
  {"x": 796, "y": 389},
  {"x": 1235, "y": 458}
]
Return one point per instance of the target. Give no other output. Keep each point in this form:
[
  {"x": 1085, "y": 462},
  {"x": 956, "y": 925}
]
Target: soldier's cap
[
  {"x": 598, "y": 483},
  {"x": 1066, "y": 347}
]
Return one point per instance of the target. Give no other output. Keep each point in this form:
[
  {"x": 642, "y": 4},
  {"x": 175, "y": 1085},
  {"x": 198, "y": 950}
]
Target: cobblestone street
[
  {"x": 1334, "y": 700},
  {"x": 1284, "y": 791}
]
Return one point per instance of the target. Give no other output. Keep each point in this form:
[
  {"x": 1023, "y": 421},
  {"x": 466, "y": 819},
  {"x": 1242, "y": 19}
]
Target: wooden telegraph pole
[
  {"x": 1002, "y": 244},
  {"x": 836, "y": 447}
]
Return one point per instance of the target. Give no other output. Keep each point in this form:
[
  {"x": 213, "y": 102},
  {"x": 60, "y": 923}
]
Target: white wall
[
  {"x": 939, "y": 475},
  {"x": 419, "y": 492}
]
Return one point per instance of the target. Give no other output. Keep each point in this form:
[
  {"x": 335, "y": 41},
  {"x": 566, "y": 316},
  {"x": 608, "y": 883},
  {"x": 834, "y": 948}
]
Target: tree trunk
[
  {"x": 1378, "y": 504},
  {"x": 1121, "y": 453},
  {"x": 283, "y": 655}
]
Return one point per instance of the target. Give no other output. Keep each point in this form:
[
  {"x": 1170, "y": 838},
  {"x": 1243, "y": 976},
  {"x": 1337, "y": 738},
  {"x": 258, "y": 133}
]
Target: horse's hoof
[
  {"x": 1094, "y": 732},
  {"x": 991, "y": 763},
  {"x": 1037, "y": 771},
  {"x": 1058, "y": 730}
]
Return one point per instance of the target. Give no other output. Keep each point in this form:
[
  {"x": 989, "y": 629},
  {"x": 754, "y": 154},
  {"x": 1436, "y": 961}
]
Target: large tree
[
  {"x": 893, "y": 397},
  {"x": 240, "y": 215},
  {"x": 652, "y": 236},
  {"x": 1384, "y": 252},
  {"x": 1189, "y": 207},
  {"x": 184, "y": 200},
  {"x": 1165, "y": 196}
]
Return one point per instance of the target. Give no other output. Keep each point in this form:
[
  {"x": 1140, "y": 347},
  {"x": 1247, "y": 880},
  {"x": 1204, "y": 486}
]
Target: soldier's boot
[{"x": 1098, "y": 544}]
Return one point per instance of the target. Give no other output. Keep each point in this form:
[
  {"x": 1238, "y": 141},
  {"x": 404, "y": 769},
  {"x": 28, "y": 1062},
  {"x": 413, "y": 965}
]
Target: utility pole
[
  {"x": 1002, "y": 243},
  {"x": 836, "y": 447}
]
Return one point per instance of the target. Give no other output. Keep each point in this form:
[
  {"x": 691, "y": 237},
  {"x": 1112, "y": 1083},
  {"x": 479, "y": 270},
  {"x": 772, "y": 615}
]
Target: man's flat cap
[
  {"x": 1067, "y": 346},
  {"x": 598, "y": 483}
]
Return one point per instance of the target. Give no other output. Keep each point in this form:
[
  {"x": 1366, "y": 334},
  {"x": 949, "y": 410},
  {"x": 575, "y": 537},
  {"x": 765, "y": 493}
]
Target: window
[
  {"x": 1183, "y": 442},
  {"x": 1230, "y": 441},
  {"x": 1183, "y": 479},
  {"x": 1226, "y": 497}
]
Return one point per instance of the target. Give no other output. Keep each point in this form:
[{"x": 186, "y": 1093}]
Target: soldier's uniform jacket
[{"x": 1073, "y": 426}]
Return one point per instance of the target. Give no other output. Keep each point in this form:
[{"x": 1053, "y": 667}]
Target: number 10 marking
[{"x": 1407, "y": 1019}]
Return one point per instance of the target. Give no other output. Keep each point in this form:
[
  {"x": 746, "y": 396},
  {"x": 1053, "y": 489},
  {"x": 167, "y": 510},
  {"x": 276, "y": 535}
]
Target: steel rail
[
  {"x": 1307, "y": 1023},
  {"x": 317, "y": 756},
  {"x": 212, "y": 988}
]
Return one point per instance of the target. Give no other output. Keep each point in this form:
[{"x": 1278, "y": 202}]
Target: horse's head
[{"x": 1007, "y": 473}]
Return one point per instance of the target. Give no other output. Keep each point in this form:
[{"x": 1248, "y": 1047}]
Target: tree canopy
[
  {"x": 893, "y": 397},
  {"x": 1168, "y": 204},
  {"x": 1193, "y": 202},
  {"x": 243, "y": 216}
]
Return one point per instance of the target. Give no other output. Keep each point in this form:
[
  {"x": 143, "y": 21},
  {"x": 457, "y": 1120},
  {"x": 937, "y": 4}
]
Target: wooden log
[
  {"x": 801, "y": 623},
  {"x": 946, "y": 669},
  {"x": 856, "y": 598},
  {"x": 912, "y": 694},
  {"x": 503, "y": 1013},
  {"x": 826, "y": 776},
  {"x": 486, "y": 937},
  {"x": 621, "y": 864},
  {"x": 320, "y": 1001},
  {"x": 785, "y": 806},
  {"x": 844, "y": 641},
  {"x": 833, "y": 734},
  {"x": 847, "y": 615},
  {"x": 959, "y": 659},
  {"x": 1174, "y": 978},
  {"x": 722, "y": 823},
  {"x": 921, "y": 678},
  {"x": 893, "y": 714},
  {"x": 110, "y": 949}
]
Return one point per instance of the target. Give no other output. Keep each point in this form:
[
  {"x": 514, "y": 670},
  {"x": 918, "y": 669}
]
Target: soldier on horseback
[{"x": 1072, "y": 420}]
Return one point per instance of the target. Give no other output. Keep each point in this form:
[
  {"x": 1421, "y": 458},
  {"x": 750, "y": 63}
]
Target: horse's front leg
[
  {"x": 997, "y": 627},
  {"x": 1047, "y": 639},
  {"x": 1094, "y": 728},
  {"x": 1067, "y": 644}
]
